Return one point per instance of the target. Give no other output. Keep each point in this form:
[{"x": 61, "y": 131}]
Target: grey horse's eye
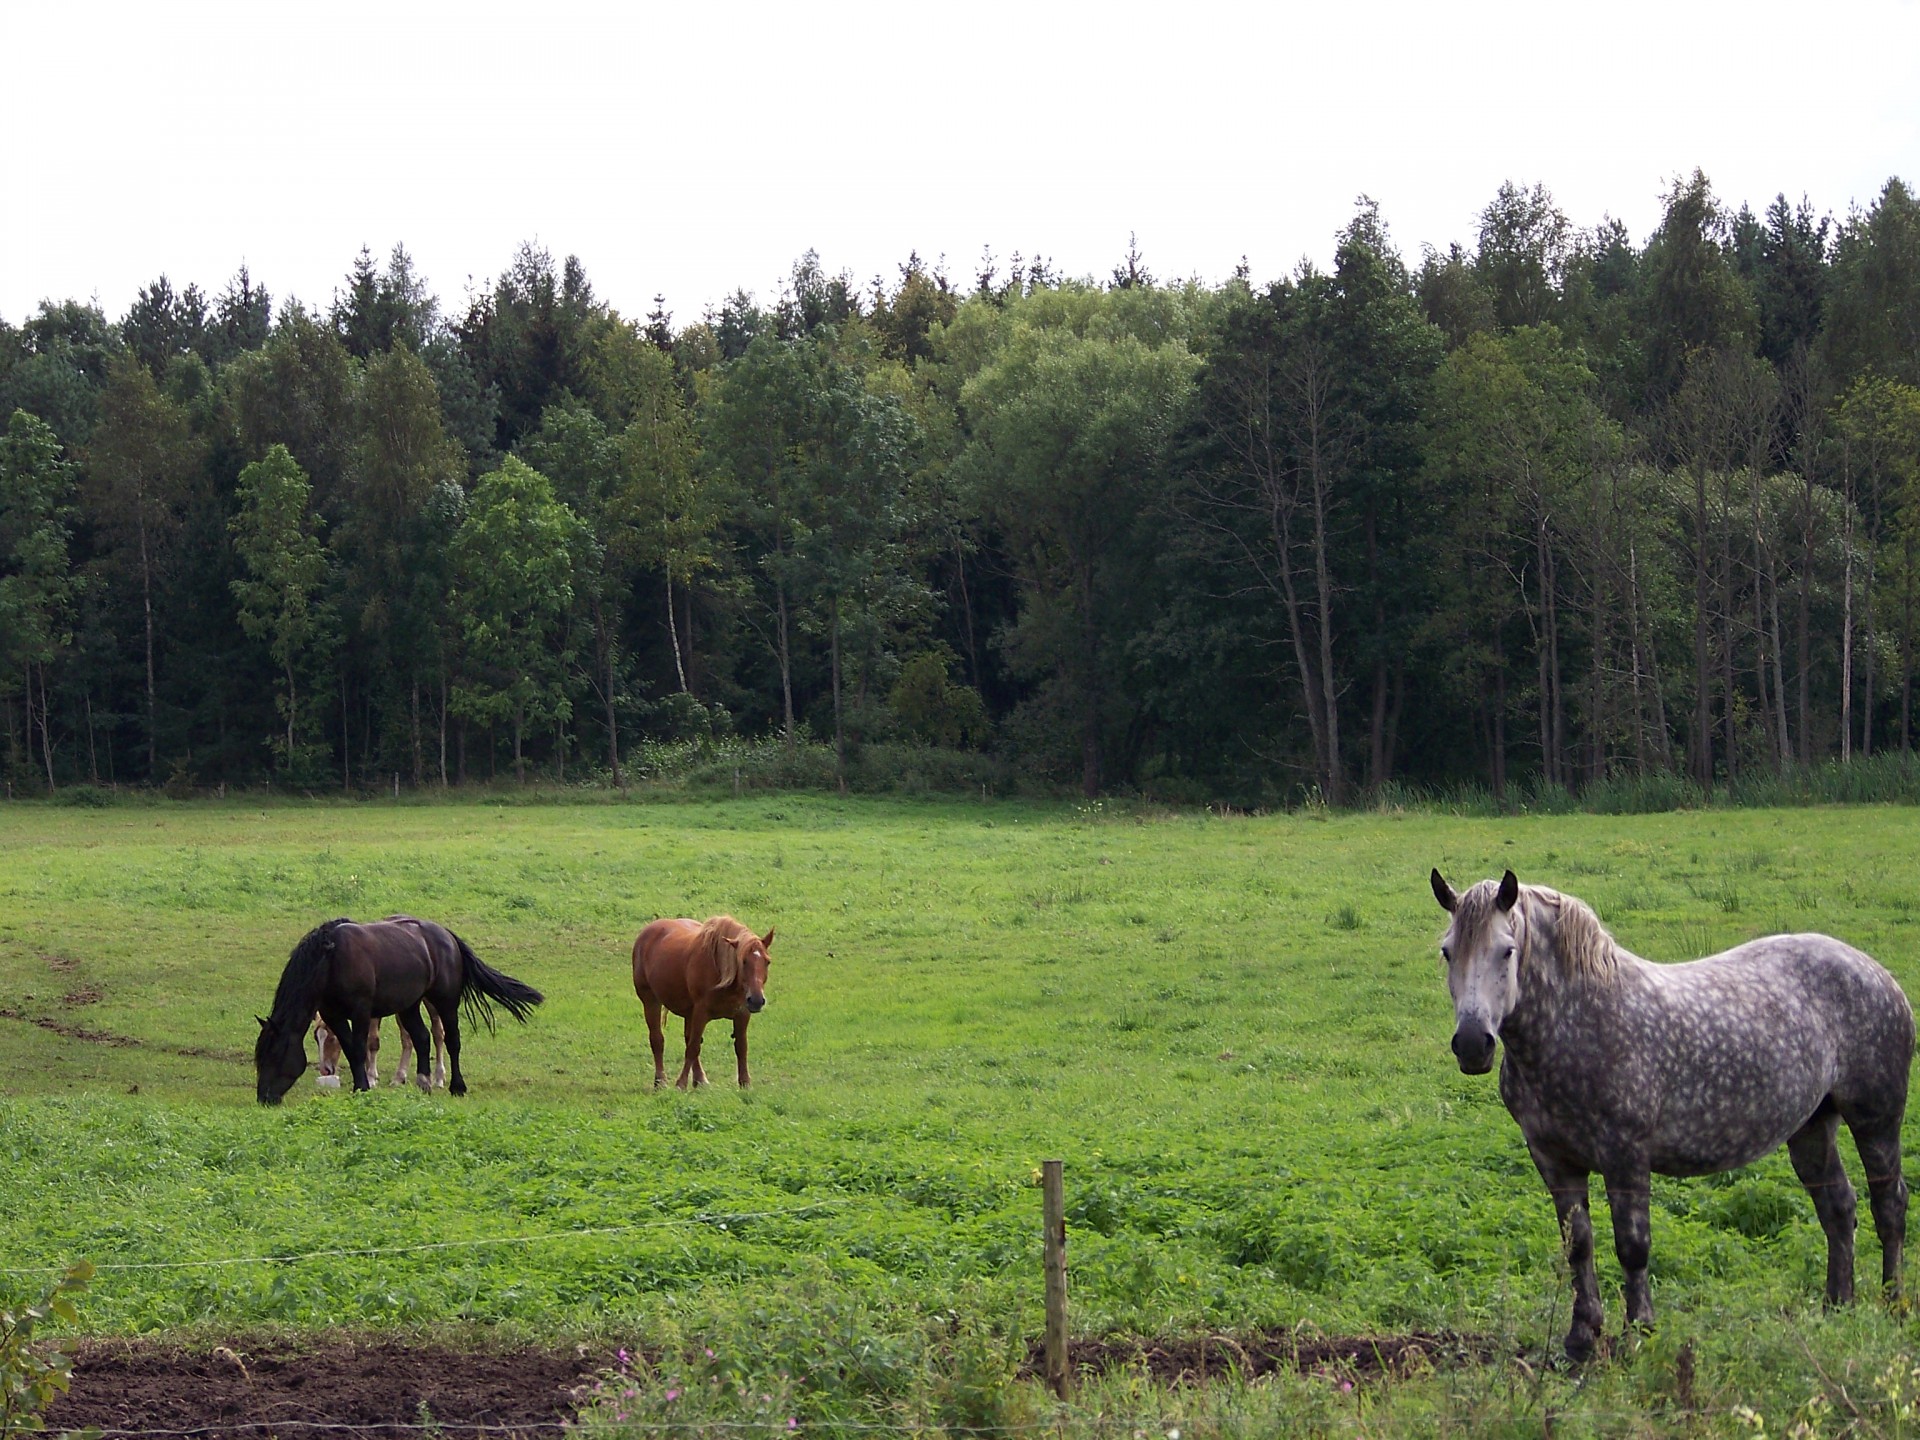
[{"x": 1507, "y": 954}]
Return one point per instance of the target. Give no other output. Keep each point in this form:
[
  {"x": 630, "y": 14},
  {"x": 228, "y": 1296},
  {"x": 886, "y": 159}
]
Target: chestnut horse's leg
[
  {"x": 656, "y": 1039},
  {"x": 696, "y": 1025},
  {"x": 413, "y": 1032},
  {"x": 372, "y": 1031},
  {"x": 439, "y": 1049},
  {"x": 407, "y": 1051},
  {"x": 740, "y": 1045},
  {"x": 329, "y": 1045}
]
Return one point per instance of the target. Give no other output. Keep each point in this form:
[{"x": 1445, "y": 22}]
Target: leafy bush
[
  {"x": 929, "y": 770},
  {"x": 934, "y": 709},
  {"x": 30, "y": 1378},
  {"x": 84, "y": 797},
  {"x": 1641, "y": 795}
]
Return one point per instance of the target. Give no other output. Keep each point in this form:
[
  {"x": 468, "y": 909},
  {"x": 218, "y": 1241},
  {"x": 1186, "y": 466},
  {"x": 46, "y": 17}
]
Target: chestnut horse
[
  {"x": 711, "y": 971},
  {"x": 350, "y": 973},
  {"x": 327, "y": 1077}
]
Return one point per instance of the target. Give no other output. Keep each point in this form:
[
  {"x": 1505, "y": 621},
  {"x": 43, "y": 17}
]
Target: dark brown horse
[
  {"x": 711, "y": 971},
  {"x": 350, "y": 973}
]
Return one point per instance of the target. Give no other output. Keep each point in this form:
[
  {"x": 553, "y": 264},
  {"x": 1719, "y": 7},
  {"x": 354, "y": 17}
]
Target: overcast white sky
[{"x": 690, "y": 148}]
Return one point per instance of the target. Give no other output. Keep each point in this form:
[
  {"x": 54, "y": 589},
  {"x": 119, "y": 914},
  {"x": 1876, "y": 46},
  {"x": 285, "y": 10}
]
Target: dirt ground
[
  {"x": 388, "y": 1389},
  {"x": 377, "y": 1388}
]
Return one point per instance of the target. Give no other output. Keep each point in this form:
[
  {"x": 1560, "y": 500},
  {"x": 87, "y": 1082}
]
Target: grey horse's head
[{"x": 1482, "y": 951}]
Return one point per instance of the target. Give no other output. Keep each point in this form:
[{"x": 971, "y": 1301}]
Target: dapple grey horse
[{"x": 1622, "y": 1067}]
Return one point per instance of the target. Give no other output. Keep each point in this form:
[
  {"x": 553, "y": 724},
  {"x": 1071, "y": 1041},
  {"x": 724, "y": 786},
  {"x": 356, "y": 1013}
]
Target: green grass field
[{"x": 1234, "y": 1032}]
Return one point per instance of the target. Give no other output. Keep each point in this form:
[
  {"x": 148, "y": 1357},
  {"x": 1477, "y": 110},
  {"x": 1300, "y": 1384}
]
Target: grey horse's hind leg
[
  {"x": 1569, "y": 1190},
  {"x": 1879, "y": 1148},
  {"x": 1627, "y": 1199},
  {"x": 1816, "y": 1160}
]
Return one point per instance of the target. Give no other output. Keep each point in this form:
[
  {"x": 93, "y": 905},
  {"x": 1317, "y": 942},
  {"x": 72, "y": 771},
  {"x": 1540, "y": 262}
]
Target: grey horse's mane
[{"x": 1582, "y": 946}]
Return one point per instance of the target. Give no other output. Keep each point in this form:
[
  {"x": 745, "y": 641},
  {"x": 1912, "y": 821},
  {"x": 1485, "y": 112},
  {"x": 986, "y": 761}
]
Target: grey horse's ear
[
  {"x": 1443, "y": 892},
  {"x": 1509, "y": 891}
]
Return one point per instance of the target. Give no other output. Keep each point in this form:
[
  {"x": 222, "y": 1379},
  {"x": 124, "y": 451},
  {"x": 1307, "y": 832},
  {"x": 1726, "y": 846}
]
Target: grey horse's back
[
  {"x": 1749, "y": 1044},
  {"x": 1813, "y": 994}
]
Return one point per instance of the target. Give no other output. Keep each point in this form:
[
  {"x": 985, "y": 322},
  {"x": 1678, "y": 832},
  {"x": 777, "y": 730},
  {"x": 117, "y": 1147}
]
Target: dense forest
[{"x": 1545, "y": 510}]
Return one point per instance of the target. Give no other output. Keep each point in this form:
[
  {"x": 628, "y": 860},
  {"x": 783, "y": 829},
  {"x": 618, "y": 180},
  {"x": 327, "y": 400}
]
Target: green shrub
[{"x": 29, "y": 1377}]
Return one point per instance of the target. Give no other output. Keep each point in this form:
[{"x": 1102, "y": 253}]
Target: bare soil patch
[
  {"x": 390, "y": 1389},
  {"x": 377, "y": 1387}
]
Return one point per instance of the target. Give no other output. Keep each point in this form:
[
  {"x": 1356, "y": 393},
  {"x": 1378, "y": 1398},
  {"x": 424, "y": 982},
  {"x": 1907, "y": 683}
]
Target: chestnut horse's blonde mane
[{"x": 720, "y": 935}]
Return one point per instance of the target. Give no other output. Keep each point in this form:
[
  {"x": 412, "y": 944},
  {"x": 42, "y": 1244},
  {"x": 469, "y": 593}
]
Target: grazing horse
[
  {"x": 711, "y": 971},
  {"x": 1624, "y": 1067},
  {"x": 350, "y": 973},
  {"x": 328, "y": 1074}
]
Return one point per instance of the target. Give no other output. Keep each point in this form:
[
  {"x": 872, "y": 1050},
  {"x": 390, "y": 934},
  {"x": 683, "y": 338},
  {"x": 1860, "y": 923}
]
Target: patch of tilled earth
[
  {"x": 379, "y": 1388},
  {"x": 388, "y": 1389}
]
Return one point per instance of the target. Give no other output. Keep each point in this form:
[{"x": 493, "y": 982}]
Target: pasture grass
[{"x": 1233, "y": 1030}]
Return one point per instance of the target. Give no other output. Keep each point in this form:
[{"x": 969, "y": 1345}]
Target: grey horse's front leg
[
  {"x": 1569, "y": 1190},
  {"x": 1627, "y": 1199}
]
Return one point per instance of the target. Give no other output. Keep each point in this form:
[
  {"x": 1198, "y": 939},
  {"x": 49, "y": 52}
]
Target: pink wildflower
[{"x": 673, "y": 1394}]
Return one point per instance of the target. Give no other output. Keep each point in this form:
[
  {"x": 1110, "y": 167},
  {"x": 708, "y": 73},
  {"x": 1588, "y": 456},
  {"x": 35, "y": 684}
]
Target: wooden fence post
[{"x": 1053, "y": 1199}]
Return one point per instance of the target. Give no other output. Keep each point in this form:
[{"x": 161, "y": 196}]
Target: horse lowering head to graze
[
  {"x": 349, "y": 973},
  {"x": 710, "y": 970},
  {"x": 1617, "y": 1066}
]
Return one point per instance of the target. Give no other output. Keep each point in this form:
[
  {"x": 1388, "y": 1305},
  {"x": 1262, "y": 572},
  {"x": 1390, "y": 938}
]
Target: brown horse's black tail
[{"x": 481, "y": 984}]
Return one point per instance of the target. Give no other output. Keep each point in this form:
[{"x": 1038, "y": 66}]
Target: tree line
[{"x": 1548, "y": 509}]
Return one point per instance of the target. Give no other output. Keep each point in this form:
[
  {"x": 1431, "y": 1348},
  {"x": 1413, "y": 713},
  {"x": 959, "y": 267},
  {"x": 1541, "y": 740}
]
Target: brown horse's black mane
[{"x": 295, "y": 998}]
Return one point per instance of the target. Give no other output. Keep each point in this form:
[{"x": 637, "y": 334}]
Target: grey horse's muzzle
[{"x": 1473, "y": 1046}]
